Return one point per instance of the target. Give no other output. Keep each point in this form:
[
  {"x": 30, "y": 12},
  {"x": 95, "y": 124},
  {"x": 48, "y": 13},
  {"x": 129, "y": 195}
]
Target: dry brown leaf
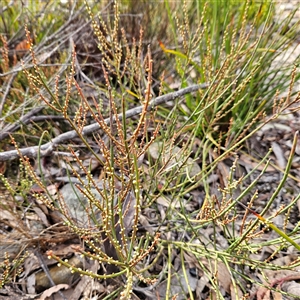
[
  {"x": 202, "y": 283},
  {"x": 246, "y": 161},
  {"x": 22, "y": 47},
  {"x": 213, "y": 295},
  {"x": 14, "y": 220},
  {"x": 285, "y": 260},
  {"x": 292, "y": 287},
  {"x": 30, "y": 284},
  {"x": 92, "y": 286},
  {"x": 192, "y": 262},
  {"x": 276, "y": 295},
  {"x": 179, "y": 287},
  {"x": 235, "y": 292},
  {"x": 275, "y": 279},
  {"x": 49, "y": 292},
  {"x": 277, "y": 150},
  {"x": 2, "y": 167},
  {"x": 86, "y": 283},
  {"x": 11, "y": 245},
  {"x": 42, "y": 216},
  {"x": 274, "y": 126},
  {"x": 264, "y": 296},
  {"x": 128, "y": 211},
  {"x": 64, "y": 250},
  {"x": 31, "y": 263},
  {"x": 166, "y": 202},
  {"x": 224, "y": 277},
  {"x": 224, "y": 172},
  {"x": 146, "y": 225}
]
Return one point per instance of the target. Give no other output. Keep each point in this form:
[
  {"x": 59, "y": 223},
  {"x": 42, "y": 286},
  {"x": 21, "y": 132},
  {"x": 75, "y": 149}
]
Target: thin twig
[
  {"x": 8, "y": 87},
  {"x": 46, "y": 149},
  {"x": 46, "y": 271},
  {"x": 6, "y": 7},
  {"x": 24, "y": 120}
]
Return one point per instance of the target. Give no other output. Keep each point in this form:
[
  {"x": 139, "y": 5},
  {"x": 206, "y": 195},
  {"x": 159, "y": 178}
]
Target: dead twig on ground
[
  {"x": 47, "y": 148},
  {"x": 24, "y": 120}
]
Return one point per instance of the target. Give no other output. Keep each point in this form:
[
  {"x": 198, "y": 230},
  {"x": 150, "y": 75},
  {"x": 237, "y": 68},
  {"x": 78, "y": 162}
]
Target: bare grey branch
[{"x": 47, "y": 148}]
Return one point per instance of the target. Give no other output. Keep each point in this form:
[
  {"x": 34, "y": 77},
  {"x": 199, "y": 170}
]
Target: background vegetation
[{"x": 140, "y": 150}]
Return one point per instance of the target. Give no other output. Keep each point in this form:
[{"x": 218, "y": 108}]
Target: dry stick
[
  {"x": 8, "y": 87},
  {"x": 46, "y": 271},
  {"x": 6, "y": 7},
  {"x": 46, "y": 149},
  {"x": 4, "y": 133}
]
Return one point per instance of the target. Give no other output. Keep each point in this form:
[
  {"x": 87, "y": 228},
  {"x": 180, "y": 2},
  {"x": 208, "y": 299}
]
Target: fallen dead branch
[
  {"x": 23, "y": 120},
  {"x": 46, "y": 149}
]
